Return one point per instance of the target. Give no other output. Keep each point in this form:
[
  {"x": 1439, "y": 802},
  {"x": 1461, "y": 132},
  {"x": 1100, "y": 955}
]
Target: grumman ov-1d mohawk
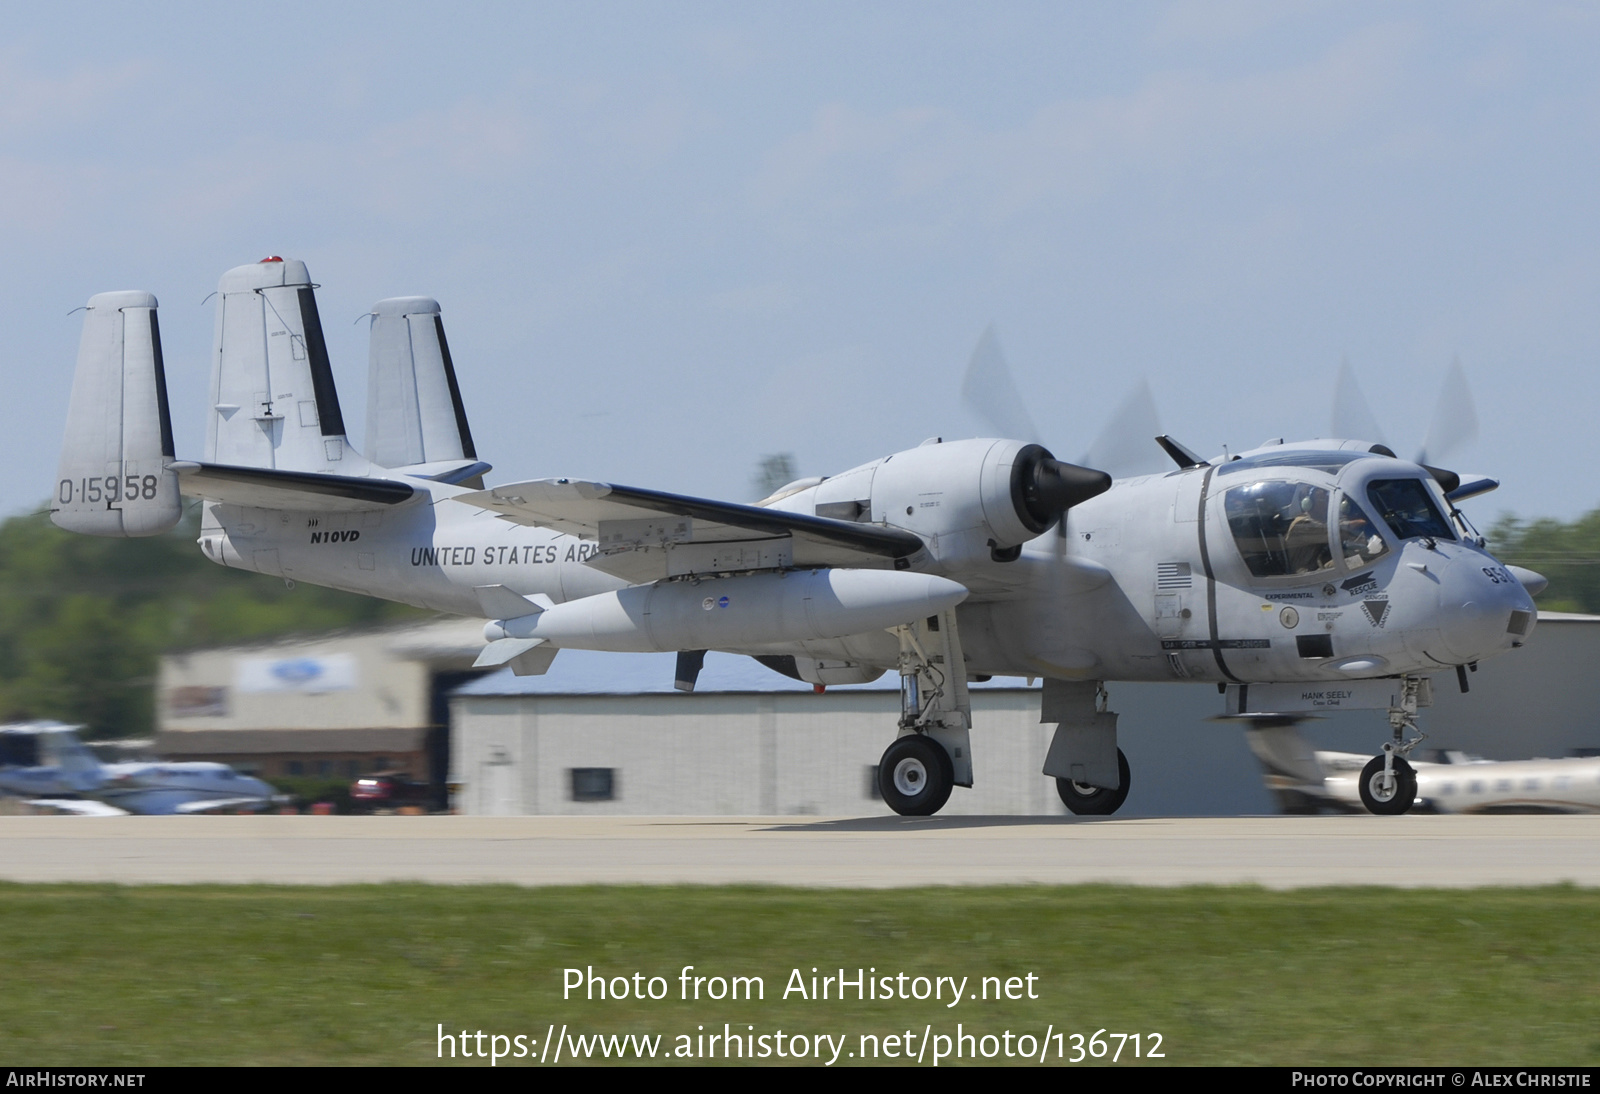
[{"x": 1295, "y": 577}]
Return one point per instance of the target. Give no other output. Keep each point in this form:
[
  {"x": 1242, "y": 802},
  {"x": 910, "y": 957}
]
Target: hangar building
[
  {"x": 607, "y": 733},
  {"x": 338, "y": 704}
]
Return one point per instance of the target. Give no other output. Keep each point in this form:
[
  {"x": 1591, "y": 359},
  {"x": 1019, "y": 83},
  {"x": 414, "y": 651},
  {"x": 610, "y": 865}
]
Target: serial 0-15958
[{"x": 108, "y": 488}]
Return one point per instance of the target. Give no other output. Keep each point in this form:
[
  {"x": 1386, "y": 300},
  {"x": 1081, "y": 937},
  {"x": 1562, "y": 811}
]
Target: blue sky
[{"x": 672, "y": 238}]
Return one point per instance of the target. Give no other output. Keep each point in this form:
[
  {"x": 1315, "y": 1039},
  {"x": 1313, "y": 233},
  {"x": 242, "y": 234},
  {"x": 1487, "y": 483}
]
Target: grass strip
[{"x": 115, "y": 975}]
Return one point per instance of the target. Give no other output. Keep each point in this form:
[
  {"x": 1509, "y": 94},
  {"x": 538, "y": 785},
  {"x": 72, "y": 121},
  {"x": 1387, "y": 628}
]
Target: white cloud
[
  {"x": 1189, "y": 23},
  {"x": 30, "y": 101},
  {"x": 853, "y": 165}
]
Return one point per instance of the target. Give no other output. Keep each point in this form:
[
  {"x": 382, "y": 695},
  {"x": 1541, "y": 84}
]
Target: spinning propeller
[
  {"x": 1454, "y": 426},
  {"x": 1052, "y": 486},
  {"x": 1123, "y": 449}
]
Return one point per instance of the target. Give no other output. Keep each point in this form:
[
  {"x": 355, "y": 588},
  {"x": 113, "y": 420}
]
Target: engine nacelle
[{"x": 978, "y": 498}]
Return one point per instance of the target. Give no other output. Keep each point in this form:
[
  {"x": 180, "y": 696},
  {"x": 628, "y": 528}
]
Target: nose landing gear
[{"x": 1388, "y": 783}]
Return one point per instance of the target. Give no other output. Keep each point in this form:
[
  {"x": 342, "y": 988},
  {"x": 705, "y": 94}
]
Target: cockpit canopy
[
  {"x": 1331, "y": 461},
  {"x": 1282, "y": 528},
  {"x": 1408, "y": 509}
]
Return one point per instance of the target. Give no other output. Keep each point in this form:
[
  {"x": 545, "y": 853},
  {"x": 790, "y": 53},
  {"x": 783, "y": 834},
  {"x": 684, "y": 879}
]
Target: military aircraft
[
  {"x": 45, "y": 763},
  {"x": 1293, "y": 577}
]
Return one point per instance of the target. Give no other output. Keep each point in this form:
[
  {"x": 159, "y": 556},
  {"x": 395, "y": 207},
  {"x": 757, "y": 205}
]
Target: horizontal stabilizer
[
  {"x": 303, "y": 491},
  {"x": 455, "y": 472}
]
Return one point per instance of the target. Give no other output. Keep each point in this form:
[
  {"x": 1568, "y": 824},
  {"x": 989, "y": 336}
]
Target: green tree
[
  {"x": 1567, "y": 554},
  {"x": 84, "y": 620}
]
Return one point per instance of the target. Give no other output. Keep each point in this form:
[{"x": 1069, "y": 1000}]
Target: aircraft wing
[
  {"x": 647, "y": 534},
  {"x": 213, "y": 805},
  {"x": 271, "y": 488},
  {"x": 79, "y": 807}
]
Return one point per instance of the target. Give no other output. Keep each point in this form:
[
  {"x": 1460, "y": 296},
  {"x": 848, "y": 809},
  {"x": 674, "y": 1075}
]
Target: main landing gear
[
  {"x": 916, "y": 776},
  {"x": 1095, "y": 801},
  {"x": 1388, "y": 783},
  {"x": 933, "y": 753},
  {"x": 1090, "y": 771}
]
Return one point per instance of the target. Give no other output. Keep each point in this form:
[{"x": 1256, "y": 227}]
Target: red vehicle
[{"x": 388, "y": 790}]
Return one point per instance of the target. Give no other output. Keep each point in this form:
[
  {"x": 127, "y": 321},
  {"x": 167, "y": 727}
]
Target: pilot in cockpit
[
  {"x": 1306, "y": 540},
  {"x": 1358, "y": 539}
]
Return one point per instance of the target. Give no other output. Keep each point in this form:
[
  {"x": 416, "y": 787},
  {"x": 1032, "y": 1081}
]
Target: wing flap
[{"x": 626, "y": 518}]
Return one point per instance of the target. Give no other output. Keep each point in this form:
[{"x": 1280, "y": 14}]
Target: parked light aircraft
[
  {"x": 45, "y": 763},
  {"x": 1293, "y": 577},
  {"x": 1307, "y": 780}
]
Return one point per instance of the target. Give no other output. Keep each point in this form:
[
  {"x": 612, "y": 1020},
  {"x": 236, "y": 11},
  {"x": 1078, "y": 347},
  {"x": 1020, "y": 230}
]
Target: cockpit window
[
  {"x": 1408, "y": 510},
  {"x": 1359, "y": 539},
  {"x": 1281, "y": 528}
]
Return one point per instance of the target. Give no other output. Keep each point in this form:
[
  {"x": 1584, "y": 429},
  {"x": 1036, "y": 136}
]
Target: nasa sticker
[{"x": 722, "y": 602}]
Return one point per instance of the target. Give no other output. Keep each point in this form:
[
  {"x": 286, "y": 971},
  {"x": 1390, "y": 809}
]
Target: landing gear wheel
[
  {"x": 915, "y": 776},
  {"x": 1391, "y": 800},
  {"x": 1096, "y": 801}
]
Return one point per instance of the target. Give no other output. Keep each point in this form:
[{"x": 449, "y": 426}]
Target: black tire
[
  {"x": 915, "y": 776},
  {"x": 1096, "y": 801},
  {"x": 1399, "y": 798}
]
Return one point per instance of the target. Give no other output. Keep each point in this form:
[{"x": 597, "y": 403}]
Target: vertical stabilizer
[
  {"x": 113, "y": 478},
  {"x": 414, "y": 409},
  {"x": 1289, "y": 765},
  {"x": 273, "y": 402},
  {"x": 78, "y": 767}
]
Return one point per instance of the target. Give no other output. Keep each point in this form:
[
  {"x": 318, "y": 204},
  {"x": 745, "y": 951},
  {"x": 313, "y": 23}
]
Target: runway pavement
[{"x": 881, "y": 852}]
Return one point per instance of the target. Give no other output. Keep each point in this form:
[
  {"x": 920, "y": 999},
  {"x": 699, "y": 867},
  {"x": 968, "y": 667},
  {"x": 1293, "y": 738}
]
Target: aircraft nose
[{"x": 1488, "y": 610}]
